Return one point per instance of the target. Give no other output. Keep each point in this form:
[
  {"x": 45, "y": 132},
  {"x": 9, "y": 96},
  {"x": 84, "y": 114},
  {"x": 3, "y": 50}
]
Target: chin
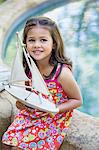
[{"x": 36, "y": 57}]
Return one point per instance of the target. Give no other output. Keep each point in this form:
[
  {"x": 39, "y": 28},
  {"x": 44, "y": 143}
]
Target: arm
[{"x": 72, "y": 90}]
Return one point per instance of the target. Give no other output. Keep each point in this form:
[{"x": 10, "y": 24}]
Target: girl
[{"x": 33, "y": 129}]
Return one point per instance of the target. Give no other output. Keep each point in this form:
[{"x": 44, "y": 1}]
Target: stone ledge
[{"x": 84, "y": 132}]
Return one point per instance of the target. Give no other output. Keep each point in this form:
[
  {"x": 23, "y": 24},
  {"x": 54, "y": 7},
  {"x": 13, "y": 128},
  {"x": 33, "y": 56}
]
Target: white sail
[{"x": 17, "y": 71}]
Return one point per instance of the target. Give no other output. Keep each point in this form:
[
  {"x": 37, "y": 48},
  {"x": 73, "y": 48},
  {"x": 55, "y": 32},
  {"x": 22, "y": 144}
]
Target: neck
[
  {"x": 42, "y": 65},
  {"x": 45, "y": 68}
]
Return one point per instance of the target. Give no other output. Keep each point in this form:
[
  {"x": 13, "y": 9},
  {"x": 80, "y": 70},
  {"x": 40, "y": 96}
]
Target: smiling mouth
[{"x": 37, "y": 52}]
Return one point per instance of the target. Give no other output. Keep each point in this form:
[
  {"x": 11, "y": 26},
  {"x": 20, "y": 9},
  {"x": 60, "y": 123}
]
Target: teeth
[{"x": 37, "y": 52}]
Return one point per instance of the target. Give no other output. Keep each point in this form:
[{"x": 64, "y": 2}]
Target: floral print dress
[{"x": 36, "y": 130}]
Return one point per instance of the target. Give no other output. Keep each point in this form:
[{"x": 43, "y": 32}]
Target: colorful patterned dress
[{"x": 35, "y": 130}]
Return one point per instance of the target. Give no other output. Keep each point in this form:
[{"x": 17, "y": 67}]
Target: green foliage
[{"x": 1, "y": 1}]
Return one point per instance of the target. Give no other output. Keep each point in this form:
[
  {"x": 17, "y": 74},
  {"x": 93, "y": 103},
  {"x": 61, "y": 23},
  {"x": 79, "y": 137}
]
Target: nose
[{"x": 37, "y": 43}]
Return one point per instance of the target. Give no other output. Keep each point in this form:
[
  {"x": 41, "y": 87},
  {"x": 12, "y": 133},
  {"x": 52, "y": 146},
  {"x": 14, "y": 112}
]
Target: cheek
[{"x": 29, "y": 48}]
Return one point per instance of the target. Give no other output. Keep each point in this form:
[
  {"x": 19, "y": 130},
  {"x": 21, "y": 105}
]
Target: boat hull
[{"x": 31, "y": 99}]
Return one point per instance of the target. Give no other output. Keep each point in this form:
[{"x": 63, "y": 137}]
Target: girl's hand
[{"x": 20, "y": 105}]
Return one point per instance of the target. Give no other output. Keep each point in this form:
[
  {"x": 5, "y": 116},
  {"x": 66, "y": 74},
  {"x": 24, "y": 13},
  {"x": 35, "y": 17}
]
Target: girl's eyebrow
[
  {"x": 39, "y": 37},
  {"x": 43, "y": 37}
]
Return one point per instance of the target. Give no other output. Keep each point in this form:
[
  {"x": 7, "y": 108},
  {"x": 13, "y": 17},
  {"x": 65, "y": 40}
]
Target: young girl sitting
[{"x": 37, "y": 130}]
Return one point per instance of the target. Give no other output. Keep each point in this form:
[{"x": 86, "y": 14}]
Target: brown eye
[
  {"x": 31, "y": 40},
  {"x": 43, "y": 40}
]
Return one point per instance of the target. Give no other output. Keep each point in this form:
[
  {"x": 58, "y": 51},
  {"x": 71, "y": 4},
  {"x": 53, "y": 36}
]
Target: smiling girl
[{"x": 31, "y": 128}]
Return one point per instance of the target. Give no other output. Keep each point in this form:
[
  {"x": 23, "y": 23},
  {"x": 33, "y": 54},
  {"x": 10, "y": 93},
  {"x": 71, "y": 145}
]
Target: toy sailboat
[{"x": 38, "y": 97}]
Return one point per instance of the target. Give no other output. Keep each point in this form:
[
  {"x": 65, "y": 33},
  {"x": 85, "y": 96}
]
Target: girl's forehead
[{"x": 38, "y": 30}]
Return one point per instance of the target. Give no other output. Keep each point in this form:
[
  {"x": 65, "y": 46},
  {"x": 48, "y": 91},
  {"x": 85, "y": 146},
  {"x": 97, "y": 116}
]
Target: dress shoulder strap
[{"x": 58, "y": 71}]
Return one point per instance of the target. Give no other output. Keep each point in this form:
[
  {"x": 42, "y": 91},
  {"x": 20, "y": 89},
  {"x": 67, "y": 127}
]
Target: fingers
[{"x": 20, "y": 105}]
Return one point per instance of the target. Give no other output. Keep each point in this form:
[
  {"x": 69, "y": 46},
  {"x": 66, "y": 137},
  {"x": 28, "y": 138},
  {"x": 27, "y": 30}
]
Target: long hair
[{"x": 57, "y": 55}]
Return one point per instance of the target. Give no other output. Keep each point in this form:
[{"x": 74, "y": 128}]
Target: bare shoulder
[
  {"x": 65, "y": 75},
  {"x": 69, "y": 84}
]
